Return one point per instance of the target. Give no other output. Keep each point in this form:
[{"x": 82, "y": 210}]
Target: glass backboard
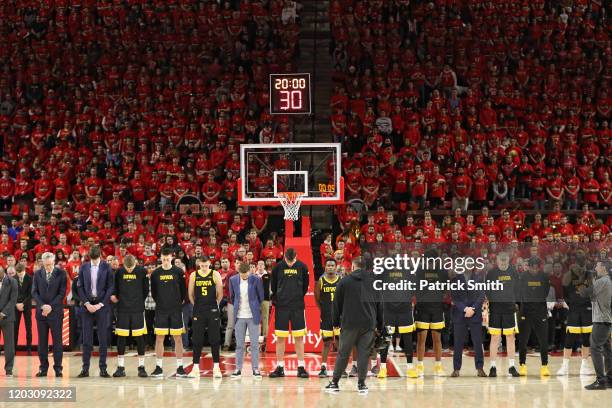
[{"x": 313, "y": 169}]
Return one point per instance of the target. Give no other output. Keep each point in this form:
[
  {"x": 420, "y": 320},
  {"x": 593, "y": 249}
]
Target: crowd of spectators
[
  {"x": 113, "y": 112},
  {"x": 473, "y": 103}
]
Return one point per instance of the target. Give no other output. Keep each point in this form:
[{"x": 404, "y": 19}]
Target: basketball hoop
[{"x": 291, "y": 202}]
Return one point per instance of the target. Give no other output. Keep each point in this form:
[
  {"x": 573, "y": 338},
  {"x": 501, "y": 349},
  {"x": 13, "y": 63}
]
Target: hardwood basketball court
[{"x": 468, "y": 390}]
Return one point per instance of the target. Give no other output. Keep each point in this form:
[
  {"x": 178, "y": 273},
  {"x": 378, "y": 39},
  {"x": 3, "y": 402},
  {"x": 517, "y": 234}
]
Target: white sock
[
  {"x": 301, "y": 363},
  {"x": 565, "y": 362},
  {"x": 493, "y": 364},
  {"x": 383, "y": 365},
  {"x": 438, "y": 364},
  {"x": 323, "y": 366},
  {"x": 280, "y": 363},
  {"x": 510, "y": 362},
  {"x": 159, "y": 362},
  {"x": 410, "y": 366},
  {"x": 121, "y": 361},
  {"x": 141, "y": 361},
  {"x": 215, "y": 365},
  {"x": 420, "y": 363},
  {"x": 355, "y": 364},
  {"x": 179, "y": 362}
]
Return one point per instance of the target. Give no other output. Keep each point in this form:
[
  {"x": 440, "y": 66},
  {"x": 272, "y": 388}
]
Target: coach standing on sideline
[
  {"x": 359, "y": 315},
  {"x": 600, "y": 293},
  {"x": 95, "y": 287},
  {"x": 467, "y": 315},
  {"x": 8, "y": 300},
  {"x": 48, "y": 290}
]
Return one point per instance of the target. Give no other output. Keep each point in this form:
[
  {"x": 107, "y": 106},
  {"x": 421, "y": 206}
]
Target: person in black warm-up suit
[{"x": 48, "y": 290}]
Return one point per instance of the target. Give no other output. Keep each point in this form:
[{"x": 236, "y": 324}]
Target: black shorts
[
  {"x": 327, "y": 329},
  {"x": 502, "y": 323},
  {"x": 169, "y": 323},
  {"x": 130, "y": 324},
  {"x": 429, "y": 316},
  {"x": 402, "y": 322},
  {"x": 206, "y": 324},
  {"x": 282, "y": 319},
  {"x": 579, "y": 320}
]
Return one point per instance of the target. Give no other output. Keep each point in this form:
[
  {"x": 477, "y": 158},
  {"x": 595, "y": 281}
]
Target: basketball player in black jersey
[
  {"x": 579, "y": 316},
  {"x": 324, "y": 297},
  {"x": 289, "y": 285},
  {"x": 398, "y": 318},
  {"x": 205, "y": 292},
  {"x": 168, "y": 292},
  {"x": 131, "y": 290}
]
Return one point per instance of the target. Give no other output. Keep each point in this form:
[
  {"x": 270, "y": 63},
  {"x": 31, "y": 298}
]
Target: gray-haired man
[{"x": 600, "y": 293}]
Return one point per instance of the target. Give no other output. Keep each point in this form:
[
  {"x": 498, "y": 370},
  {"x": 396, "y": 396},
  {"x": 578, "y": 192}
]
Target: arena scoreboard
[{"x": 290, "y": 94}]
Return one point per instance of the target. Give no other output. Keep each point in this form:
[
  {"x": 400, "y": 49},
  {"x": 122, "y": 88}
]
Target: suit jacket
[
  {"x": 25, "y": 290},
  {"x": 467, "y": 298},
  {"x": 8, "y": 298},
  {"x": 104, "y": 284},
  {"x": 50, "y": 293},
  {"x": 256, "y": 296}
]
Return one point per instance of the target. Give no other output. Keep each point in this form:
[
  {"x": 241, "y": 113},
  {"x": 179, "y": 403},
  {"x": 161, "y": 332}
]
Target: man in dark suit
[
  {"x": 24, "y": 305},
  {"x": 8, "y": 300},
  {"x": 95, "y": 287},
  {"x": 467, "y": 315},
  {"x": 48, "y": 290}
]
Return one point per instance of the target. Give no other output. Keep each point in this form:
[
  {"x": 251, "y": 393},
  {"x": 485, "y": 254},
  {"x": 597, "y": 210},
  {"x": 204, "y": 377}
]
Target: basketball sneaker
[
  {"x": 353, "y": 372},
  {"x": 382, "y": 372},
  {"x": 323, "y": 372},
  {"x": 493, "y": 372},
  {"x": 420, "y": 369},
  {"x": 257, "y": 375},
  {"x": 362, "y": 388},
  {"x": 181, "y": 373},
  {"x": 194, "y": 373},
  {"x": 158, "y": 372},
  {"x": 585, "y": 369},
  {"x": 119, "y": 372},
  {"x": 544, "y": 371},
  {"x": 332, "y": 387},
  {"x": 522, "y": 370},
  {"x": 302, "y": 373},
  {"x": 563, "y": 371},
  {"x": 412, "y": 373},
  {"x": 438, "y": 370},
  {"x": 279, "y": 372},
  {"x": 238, "y": 374},
  {"x": 512, "y": 372},
  {"x": 142, "y": 373},
  {"x": 217, "y": 372}
]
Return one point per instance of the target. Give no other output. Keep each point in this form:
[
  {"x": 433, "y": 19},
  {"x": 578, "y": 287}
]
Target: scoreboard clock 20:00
[{"x": 290, "y": 94}]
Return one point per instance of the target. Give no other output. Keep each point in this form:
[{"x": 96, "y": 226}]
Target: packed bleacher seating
[
  {"x": 468, "y": 104},
  {"x": 113, "y": 112}
]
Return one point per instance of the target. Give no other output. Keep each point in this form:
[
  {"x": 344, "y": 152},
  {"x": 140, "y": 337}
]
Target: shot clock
[{"x": 290, "y": 94}]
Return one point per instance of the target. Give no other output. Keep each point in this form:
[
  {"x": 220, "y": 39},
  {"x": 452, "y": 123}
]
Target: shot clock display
[{"x": 290, "y": 94}]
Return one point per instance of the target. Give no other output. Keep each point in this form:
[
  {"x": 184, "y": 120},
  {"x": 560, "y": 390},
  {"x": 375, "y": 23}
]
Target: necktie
[{"x": 49, "y": 276}]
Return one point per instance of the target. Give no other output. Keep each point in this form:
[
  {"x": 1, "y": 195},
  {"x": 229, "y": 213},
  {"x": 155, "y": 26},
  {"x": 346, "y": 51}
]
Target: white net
[{"x": 291, "y": 202}]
